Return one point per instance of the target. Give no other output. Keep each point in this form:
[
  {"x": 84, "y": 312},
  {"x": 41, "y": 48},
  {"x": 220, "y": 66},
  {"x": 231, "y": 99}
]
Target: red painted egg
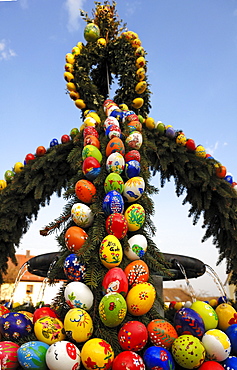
[
  {"x": 161, "y": 333},
  {"x": 133, "y": 336},
  {"x": 92, "y": 140},
  {"x": 137, "y": 272},
  {"x": 8, "y": 355},
  {"x": 190, "y": 145},
  {"x": 117, "y": 225},
  {"x": 90, "y": 131},
  {"x": 128, "y": 360},
  {"x": 115, "y": 145},
  {"x": 3, "y": 310},
  {"x": 132, "y": 117},
  {"x": 116, "y": 281},
  {"x": 132, "y": 155},
  {"x": 75, "y": 237},
  {"x": 65, "y": 139},
  {"x": 85, "y": 190},
  {"x": 42, "y": 312},
  {"x": 211, "y": 365},
  {"x": 29, "y": 157},
  {"x": 91, "y": 168}
]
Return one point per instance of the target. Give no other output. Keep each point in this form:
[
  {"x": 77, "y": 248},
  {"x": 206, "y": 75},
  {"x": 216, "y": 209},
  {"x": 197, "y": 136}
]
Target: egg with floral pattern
[
  {"x": 137, "y": 247},
  {"x": 78, "y": 295},
  {"x": 133, "y": 189},
  {"x": 15, "y": 325},
  {"x": 158, "y": 358},
  {"x": 135, "y": 216},
  {"x": 31, "y": 355},
  {"x": 161, "y": 333},
  {"x": 49, "y": 330},
  {"x": 128, "y": 360},
  {"x": 115, "y": 163},
  {"x": 114, "y": 182},
  {"x": 136, "y": 272},
  {"x": 113, "y": 203},
  {"x": 82, "y": 215},
  {"x": 8, "y": 355},
  {"x": 73, "y": 268},
  {"x": 96, "y": 353},
  {"x": 140, "y": 298},
  {"x": 110, "y": 252}
]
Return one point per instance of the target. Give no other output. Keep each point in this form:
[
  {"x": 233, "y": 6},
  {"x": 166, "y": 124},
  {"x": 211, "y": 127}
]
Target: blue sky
[{"x": 192, "y": 56}]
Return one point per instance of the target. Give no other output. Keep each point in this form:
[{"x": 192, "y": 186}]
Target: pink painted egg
[
  {"x": 115, "y": 280},
  {"x": 133, "y": 336}
]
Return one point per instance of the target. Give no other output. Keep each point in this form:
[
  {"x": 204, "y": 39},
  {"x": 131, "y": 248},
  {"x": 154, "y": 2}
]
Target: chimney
[{"x": 27, "y": 254}]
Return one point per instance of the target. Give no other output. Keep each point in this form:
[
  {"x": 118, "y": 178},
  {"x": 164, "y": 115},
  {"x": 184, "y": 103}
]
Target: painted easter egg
[
  {"x": 85, "y": 190},
  {"x": 231, "y": 331},
  {"x": 132, "y": 169},
  {"x": 200, "y": 151},
  {"x": 134, "y": 126},
  {"x": 181, "y": 139},
  {"x": 73, "y": 268},
  {"x": 133, "y": 336},
  {"x": 78, "y": 295},
  {"x": 140, "y": 298},
  {"x": 90, "y": 131},
  {"x": 137, "y": 247},
  {"x": 92, "y": 140},
  {"x": 31, "y": 355},
  {"x": 136, "y": 272},
  {"x": 97, "y": 352},
  {"x": 134, "y": 140},
  {"x": 113, "y": 203},
  {"x": 110, "y": 121},
  {"x": 226, "y": 315},
  {"x": 15, "y": 325},
  {"x": 217, "y": 345},
  {"x": 112, "y": 309},
  {"x": 42, "y": 312},
  {"x": 207, "y": 313},
  {"x": 158, "y": 358},
  {"x": 188, "y": 321},
  {"x": 91, "y": 168},
  {"x": 91, "y": 32},
  {"x": 135, "y": 216},
  {"x": 128, "y": 360},
  {"x": 91, "y": 151},
  {"x": 170, "y": 132},
  {"x": 133, "y": 189},
  {"x": 114, "y": 182},
  {"x": 75, "y": 237},
  {"x": 63, "y": 355},
  {"x": 8, "y": 355},
  {"x": 110, "y": 252},
  {"x": 116, "y": 281},
  {"x": 212, "y": 365},
  {"x": 3, "y": 310},
  {"x": 230, "y": 364},
  {"x": 161, "y": 333},
  {"x": 82, "y": 215},
  {"x": 115, "y": 145},
  {"x": 28, "y": 314},
  {"x": 188, "y": 351},
  {"x": 115, "y": 163},
  {"x": 49, "y": 330},
  {"x": 132, "y": 155},
  {"x": 116, "y": 224},
  {"x": 113, "y": 131},
  {"x": 78, "y": 325}
]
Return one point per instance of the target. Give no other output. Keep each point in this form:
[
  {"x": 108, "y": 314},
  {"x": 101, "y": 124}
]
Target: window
[{"x": 29, "y": 289}]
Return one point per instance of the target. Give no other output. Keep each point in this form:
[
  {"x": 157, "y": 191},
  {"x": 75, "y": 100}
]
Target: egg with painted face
[
  {"x": 112, "y": 309},
  {"x": 78, "y": 325},
  {"x": 31, "y": 355},
  {"x": 161, "y": 333},
  {"x": 134, "y": 140},
  {"x": 135, "y": 216},
  {"x": 137, "y": 272},
  {"x": 99, "y": 352},
  {"x": 207, "y": 313},
  {"x": 49, "y": 330},
  {"x": 115, "y": 145},
  {"x": 137, "y": 247},
  {"x": 133, "y": 189},
  {"x": 82, "y": 215},
  {"x": 133, "y": 336},
  {"x": 110, "y": 252},
  {"x": 115, "y": 280},
  {"x": 78, "y": 295},
  {"x": 187, "y": 321},
  {"x": 113, "y": 203},
  {"x": 115, "y": 163},
  {"x": 116, "y": 224},
  {"x": 217, "y": 345},
  {"x": 140, "y": 299},
  {"x": 63, "y": 355},
  {"x": 8, "y": 355},
  {"x": 188, "y": 351},
  {"x": 114, "y": 182}
]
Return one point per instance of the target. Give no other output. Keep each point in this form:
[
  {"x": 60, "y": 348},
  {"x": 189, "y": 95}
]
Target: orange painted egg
[
  {"x": 49, "y": 330},
  {"x": 135, "y": 216},
  {"x": 140, "y": 299},
  {"x": 161, "y": 333},
  {"x": 115, "y": 145},
  {"x": 97, "y": 352},
  {"x": 92, "y": 140},
  {"x": 110, "y": 252},
  {"x": 137, "y": 272},
  {"x": 85, "y": 190},
  {"x": 75, "y": 237},
  {"x": 78, "y": 325}
]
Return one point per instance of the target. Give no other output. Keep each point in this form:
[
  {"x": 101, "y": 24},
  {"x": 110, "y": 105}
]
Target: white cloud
[
  {"x": 5, "y": 51},
  {"x": 211, "y": 150},
  {"x": 73, "y": 8}
]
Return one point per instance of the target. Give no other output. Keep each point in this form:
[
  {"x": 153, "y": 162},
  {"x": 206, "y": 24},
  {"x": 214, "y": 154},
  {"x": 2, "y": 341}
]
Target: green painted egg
[
  {"x": 91, "y": 151},
  {"x": 91, "y": 32},
  {"x": 112, "y": 309},
  {"x": 114, "y": 182}
]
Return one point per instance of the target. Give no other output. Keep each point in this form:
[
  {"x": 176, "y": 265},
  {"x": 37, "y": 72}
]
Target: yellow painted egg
[
  {"x": 130, "y": 35},
  {"x": 68, "y": 76},
  {"x": 225, "y": 313},
  {"x": 137, "y": 103},
  {"x": 181, "y": 139},
  {"x": 91, "y": 32},
  {"x": 76, "y": 50},
  {"x": 68, "y": 67},
  {"x": 49, "y": 330},
  {"x": 137, "y": 247},
  {"x": 3, "y": 184},
  {"x": 140, "y": 74},
  {"x": 136, "y": 43},
  {"x": 140, "y": 62},
  {"x": 139, "y": 52},
  {"x": 217, "y": 345},
  {"x": 89, "y": 121},
  {"x": 78, "y": 325},
  {"x": 70, "y": 58},
  {"x": 97, "y": 352},
  {"x": 95, "y": 116},
  {"x": 150, "y": 123},
  {"x": 80, "y": 45},
  {"x": 110, "y": 252},
  {"x": 71, "y": 86},
  {"x": 18, "y": 167},
  {"x": 140, "y": 298},
  {"x": 140, "y": 87},
  {"x": 123, "y": 106},
  {"x": 74, "y": 95},
  {"x": 135, "y": 216},
  {"x": 79, "y": 103},
  {"x": 200, "y": 151},
  {"x": 207, "y": 313},
  {"x": 133, "y": 189},
  {"x": 188, "y": 351},
  {"x": 101, "y": 41}
]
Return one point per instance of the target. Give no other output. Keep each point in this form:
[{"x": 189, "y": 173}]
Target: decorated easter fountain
[{"x": 106, "y": 316}]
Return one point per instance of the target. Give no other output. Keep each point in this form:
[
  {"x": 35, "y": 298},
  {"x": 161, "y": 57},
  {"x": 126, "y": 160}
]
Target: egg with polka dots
[
  {"x": 188, "y": 351},
  {"x": 161, "y": 333}
]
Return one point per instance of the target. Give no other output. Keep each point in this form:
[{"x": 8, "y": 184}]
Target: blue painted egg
[
  {"x": 15, "y": 325},
  {"x": 231, "y": 332},
  {"x": 132, "y": 169},
  {"x": 53, "y": 143},
  {"x": 187, "y": 321},
  {"x": 113, "y": 131},
  {"x": 158, "y": 358},
  {"x": 117, "y": 113},
  {"x": 229, "y": 178},
  {"x": 73, "y": 268},
  {"x": 170, "y": 132},
  {"x": 230, "y": 363},
  {"x": 113, "y": 203},
  {"x": 31, "y": 355}
]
